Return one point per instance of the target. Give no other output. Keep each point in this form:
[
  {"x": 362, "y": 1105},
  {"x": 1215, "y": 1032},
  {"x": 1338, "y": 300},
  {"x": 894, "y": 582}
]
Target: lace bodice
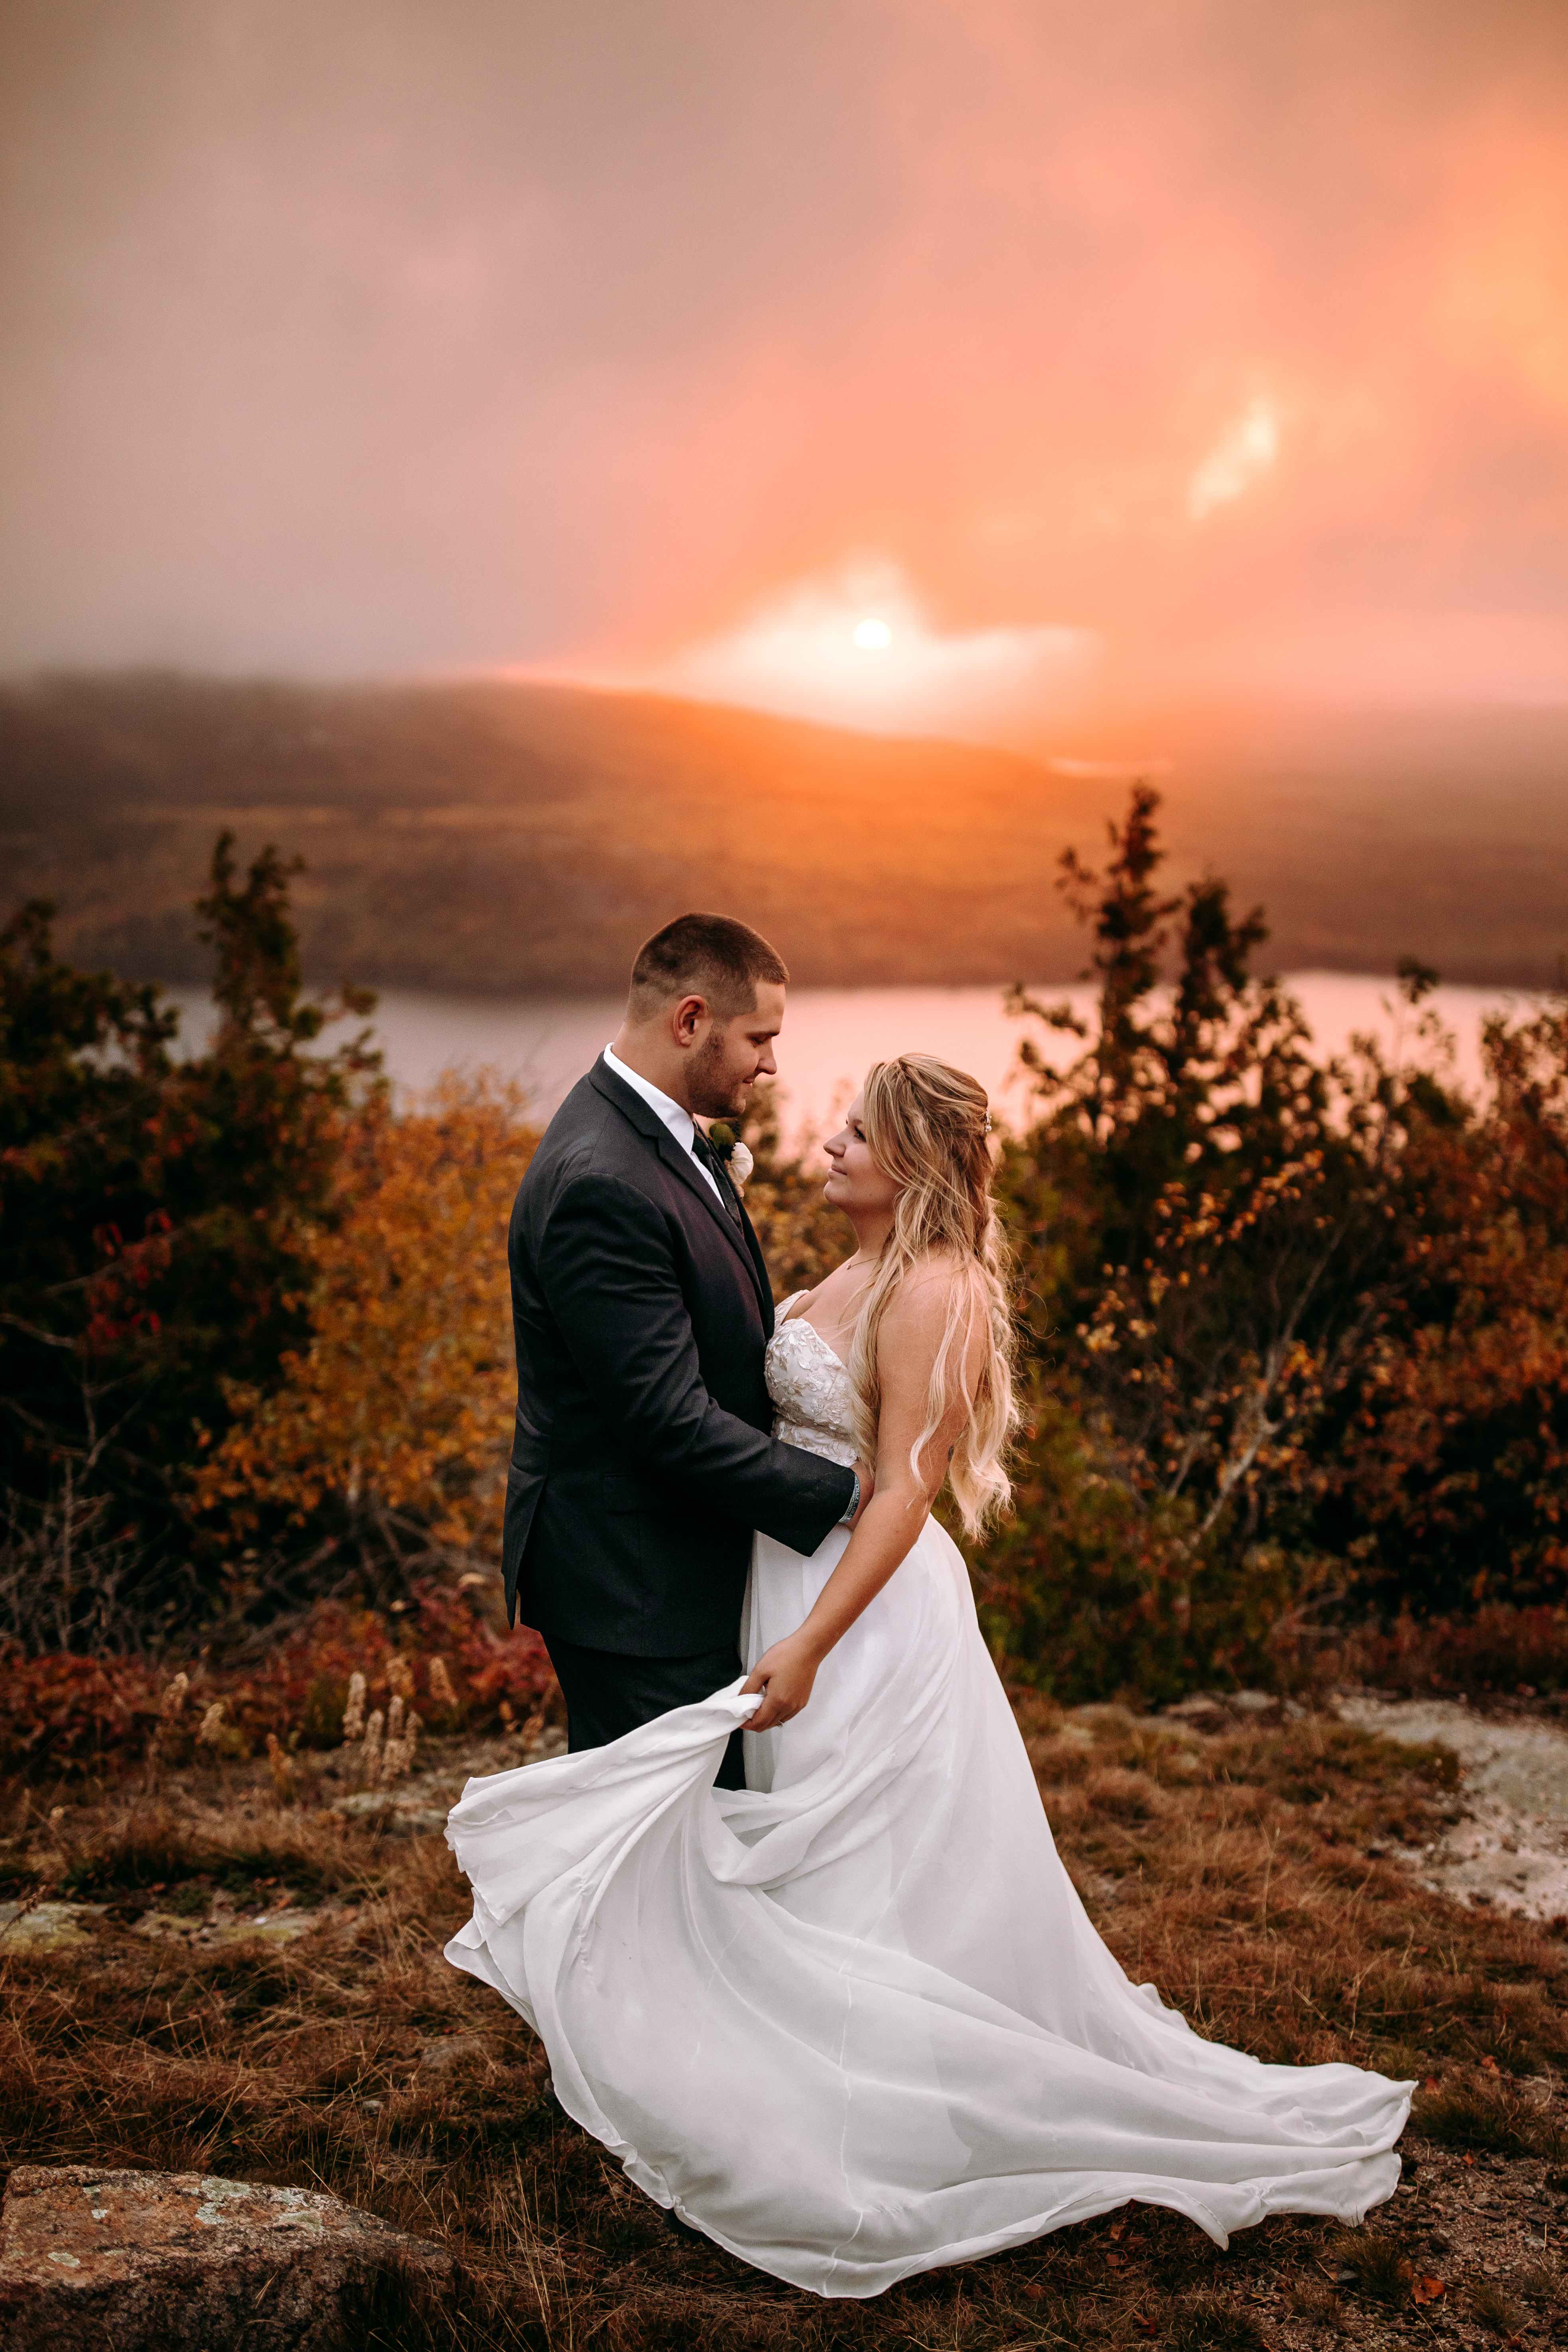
[{"x": 810, "y": 1388}]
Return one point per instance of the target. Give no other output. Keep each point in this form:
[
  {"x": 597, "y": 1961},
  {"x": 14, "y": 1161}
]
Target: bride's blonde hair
[{"x": 926, "y": 1127}]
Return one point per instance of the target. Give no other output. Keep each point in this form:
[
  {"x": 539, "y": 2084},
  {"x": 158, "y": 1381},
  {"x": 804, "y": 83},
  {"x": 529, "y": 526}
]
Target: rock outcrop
[{"x": 125, "y": 2261}]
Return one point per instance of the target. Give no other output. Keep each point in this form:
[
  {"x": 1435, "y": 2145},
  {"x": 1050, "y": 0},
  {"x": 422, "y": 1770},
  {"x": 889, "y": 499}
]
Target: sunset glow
[
  {"x": 1105, "y": 359},
  {"x": 804, "y": 651}
]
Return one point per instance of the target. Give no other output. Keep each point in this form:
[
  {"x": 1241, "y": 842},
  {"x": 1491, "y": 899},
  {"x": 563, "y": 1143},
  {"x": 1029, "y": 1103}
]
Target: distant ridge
[{"x": 511, "y": 838}]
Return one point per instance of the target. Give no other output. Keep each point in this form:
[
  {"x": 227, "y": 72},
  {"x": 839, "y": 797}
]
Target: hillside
[{"x": 497, "y": 838}]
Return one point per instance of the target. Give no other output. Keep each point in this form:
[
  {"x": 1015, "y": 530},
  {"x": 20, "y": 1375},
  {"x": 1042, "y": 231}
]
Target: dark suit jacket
[{"x": 642, "y": 1460}]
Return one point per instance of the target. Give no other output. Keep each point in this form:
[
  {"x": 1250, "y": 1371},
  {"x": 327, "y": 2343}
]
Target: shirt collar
[{"x": 678, "y": 1120}]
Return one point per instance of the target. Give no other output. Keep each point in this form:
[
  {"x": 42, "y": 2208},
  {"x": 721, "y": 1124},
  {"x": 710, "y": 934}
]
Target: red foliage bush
[
  {"x": 68, "y": 1713},
  {"x": 1500, "y": 1650},
  {"x": 64, "y": 1711},
  {"x": 302, "y": 1686}
]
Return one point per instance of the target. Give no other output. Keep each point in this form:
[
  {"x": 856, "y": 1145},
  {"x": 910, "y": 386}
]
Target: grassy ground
[{"x": 1249, "y": 1873}]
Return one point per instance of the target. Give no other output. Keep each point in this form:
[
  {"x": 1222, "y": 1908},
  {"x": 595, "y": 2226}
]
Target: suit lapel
[
  {"x": 740, "y": 1237},
  {"x": 691, "y": 1174},
  {"x": 760, "y": 1268}
]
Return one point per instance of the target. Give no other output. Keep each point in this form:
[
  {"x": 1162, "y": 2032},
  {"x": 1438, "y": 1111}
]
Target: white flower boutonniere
[{"x": 728, "y": 1147}]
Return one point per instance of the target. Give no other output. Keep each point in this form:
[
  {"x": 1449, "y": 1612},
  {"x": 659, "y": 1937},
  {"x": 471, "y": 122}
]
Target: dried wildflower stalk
[
  {"x": 281, "y": 1764},
  {"x": 211, "y": 1725},
  {"x": 532, "y": 1725},
  {"x": 171, "y": 1710},
  {"x": 170, "y": 1706},
  {"x": 441, "y": 1691},
  {"x": 397, "y": 1758},
  {"x": 400, "y": 1678},
  {"x": 372, "y": 1750},
  {"x": 353, "y": 1713}
]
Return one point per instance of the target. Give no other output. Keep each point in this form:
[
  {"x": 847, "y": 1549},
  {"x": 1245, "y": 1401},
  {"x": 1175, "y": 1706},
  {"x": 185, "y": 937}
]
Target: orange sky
[{"x": 1117, "y": 352}]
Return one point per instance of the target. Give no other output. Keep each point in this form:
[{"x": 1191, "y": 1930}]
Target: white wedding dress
[{"x": 853, "y": 2021}]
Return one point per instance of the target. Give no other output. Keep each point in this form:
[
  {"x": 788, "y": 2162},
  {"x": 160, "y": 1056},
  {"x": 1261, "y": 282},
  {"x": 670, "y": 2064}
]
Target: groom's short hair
[{"x": 711, "y": 956}]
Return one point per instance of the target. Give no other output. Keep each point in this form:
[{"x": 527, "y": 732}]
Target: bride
[{"x": 852, "y": 2020}]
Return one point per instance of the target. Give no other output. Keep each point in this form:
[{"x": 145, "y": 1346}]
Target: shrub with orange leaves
[{"x": 403, "y": 1400}]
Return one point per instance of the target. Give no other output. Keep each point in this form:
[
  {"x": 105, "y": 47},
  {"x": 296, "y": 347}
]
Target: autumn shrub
[
  {"x": 466, "y": 1670},
  {"x": 255, "y": 1357},
  {"x": 1498, "y": 1649},
  {"x": 446, "y": 1649},
  {"x": 62, "y": 1712},
  {"x": 1197, "y": 1216},
  {"x": 1451, "y": 1471},
  {"x": 1296, "y": 1328},
  {"x": 399, "y": 1403},
  {"x": 154, "y": 1216},
  {"x": 1087, "y": 1590}
]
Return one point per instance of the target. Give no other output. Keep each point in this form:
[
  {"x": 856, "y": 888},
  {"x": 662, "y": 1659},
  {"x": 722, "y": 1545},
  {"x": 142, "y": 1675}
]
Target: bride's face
[{"x": 856, "y": 1184}]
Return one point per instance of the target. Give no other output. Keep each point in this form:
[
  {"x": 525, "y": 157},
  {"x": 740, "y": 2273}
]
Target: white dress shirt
[{"x": 680, "y": 1123}]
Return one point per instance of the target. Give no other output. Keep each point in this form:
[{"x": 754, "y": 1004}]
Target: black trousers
[{"x": 608, "y": 1695}]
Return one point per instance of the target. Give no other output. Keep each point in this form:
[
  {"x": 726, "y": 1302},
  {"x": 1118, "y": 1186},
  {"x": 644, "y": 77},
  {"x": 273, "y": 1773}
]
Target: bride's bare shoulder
[{"x": 923, "y": 1299}]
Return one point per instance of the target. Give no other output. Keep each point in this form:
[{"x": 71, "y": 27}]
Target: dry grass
[{"x": 1234, "y": 1871}]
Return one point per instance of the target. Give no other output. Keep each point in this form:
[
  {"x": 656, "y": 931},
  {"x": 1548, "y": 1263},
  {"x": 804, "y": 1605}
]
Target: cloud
[
  {"x": 856, "y": 646},
  {"x": 1241, "y": 457}
]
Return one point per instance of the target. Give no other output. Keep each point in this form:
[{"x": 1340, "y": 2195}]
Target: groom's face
[{"x": 735, "y": 1054}]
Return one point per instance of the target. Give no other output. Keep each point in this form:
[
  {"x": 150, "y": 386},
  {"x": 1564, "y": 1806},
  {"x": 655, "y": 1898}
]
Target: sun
[{"x": 873, "y": 636}]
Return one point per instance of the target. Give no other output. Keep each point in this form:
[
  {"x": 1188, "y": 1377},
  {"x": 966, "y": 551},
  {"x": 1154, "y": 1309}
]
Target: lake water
[{"x": 831, "y": 1034}]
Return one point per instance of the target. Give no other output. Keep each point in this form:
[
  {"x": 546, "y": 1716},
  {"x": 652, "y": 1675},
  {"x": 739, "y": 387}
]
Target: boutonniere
[{"x": 728, "y": 1147}]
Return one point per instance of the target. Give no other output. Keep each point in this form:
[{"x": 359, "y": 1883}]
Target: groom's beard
[{"x": 716, "y": 1091}]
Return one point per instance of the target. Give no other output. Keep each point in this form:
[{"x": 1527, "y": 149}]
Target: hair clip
[{"x": 987, "y": 1122}]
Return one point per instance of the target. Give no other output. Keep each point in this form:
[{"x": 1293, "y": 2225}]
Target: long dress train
[{"x": 853, "y": 2021}]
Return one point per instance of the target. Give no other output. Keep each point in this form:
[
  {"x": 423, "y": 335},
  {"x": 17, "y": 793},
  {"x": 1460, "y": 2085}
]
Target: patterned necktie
[{"x": 703, "y": 1151}]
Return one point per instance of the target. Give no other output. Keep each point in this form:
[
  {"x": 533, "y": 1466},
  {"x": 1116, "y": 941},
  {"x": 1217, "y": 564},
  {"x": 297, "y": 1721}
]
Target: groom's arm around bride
[{"x": 642, "y": 1459}]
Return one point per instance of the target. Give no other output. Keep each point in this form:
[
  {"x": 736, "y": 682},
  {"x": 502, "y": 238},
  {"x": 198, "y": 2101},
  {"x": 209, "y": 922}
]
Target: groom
[{"x": 641, "y": 1308}]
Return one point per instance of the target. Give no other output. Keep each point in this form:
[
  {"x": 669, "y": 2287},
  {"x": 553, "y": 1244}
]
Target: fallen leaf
[
  {"x": 1033, "y": 2292},
  {"x": 1118, "y": 2227},
  {"x": 1488, "y": 2066},
  {"x": 1426, "y": 2290},
  {"x": 1115, "y": 2262}
]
